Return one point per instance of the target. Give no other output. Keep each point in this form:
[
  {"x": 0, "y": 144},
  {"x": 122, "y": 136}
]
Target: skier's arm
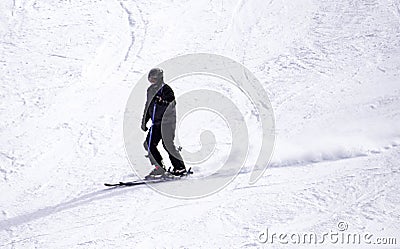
[
  {"x": 168, "y": 96},
  {"x": 146, "y": 115}
]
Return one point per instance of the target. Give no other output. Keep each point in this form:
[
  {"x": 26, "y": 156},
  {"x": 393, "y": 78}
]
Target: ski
[
  {"x": 149, "y": 181},
  {"x": 133, "y": 183}
]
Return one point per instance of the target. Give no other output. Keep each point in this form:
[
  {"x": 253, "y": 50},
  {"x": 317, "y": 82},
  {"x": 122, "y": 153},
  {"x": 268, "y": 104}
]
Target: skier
[{"x": 160, "y": 107}]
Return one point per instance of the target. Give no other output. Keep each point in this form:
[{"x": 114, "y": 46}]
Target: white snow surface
[{"x": 67, "y": 67}]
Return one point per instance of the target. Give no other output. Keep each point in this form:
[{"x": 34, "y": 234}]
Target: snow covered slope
[{"x": 332, "y": 72}]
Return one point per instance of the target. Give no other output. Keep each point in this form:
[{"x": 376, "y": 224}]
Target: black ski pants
[{"x": 165, "y": 133}]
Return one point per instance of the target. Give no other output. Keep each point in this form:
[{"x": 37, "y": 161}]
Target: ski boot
[
  {"x": 178, "y": 172},
  {"x": 157, "y": 172}
]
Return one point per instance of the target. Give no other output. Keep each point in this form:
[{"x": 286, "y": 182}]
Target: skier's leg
[
  {"x": 168, "y": 136},
  {"x": 154, "y": 155}
]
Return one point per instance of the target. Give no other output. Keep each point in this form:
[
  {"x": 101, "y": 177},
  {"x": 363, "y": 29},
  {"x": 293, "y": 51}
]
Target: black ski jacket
[{"x": 165, "y": 109}]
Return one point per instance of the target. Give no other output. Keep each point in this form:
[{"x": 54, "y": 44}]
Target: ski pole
[
  {"x": 152, "y": 122},
  {"x": 151, "y": 128}
]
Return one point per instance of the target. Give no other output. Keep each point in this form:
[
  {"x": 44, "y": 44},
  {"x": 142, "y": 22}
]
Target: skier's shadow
[{"x": 81, "y": 200}]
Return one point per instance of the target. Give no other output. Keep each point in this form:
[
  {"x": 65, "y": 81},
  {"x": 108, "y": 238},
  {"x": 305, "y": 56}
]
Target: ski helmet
[{"x": 156, "y": 73}]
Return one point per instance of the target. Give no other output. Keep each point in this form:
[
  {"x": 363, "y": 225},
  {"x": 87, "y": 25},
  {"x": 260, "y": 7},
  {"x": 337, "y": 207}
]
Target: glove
[
  {"x": 144, "y": 127},
  {"x": 159, "y": 100}
]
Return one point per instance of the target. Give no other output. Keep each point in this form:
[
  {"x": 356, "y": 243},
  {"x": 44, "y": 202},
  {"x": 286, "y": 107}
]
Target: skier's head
[{"x": 156, "y": 76}]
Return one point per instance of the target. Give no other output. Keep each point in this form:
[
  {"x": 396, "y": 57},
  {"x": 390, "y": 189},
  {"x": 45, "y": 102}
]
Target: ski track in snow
[{"x": 331, "y": 70}]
